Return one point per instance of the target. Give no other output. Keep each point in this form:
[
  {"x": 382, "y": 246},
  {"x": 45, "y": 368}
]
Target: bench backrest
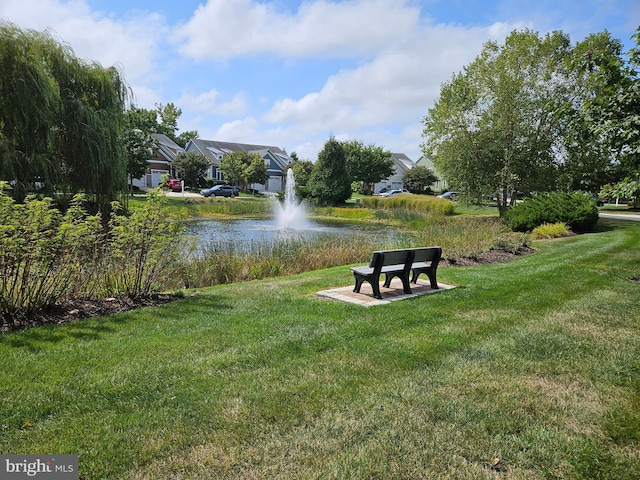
[
  {"x": 391, "y": 257},
  {"x": 427, "y": 254}
]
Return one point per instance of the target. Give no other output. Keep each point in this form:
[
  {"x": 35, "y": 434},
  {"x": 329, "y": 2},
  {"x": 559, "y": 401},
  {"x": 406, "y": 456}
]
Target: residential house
[
  {"x": 276, "y": 159},
  {"x": 439, "y": 185},
  {"x": 396, "y": 181},
  {"x": 160, "y": 162}
]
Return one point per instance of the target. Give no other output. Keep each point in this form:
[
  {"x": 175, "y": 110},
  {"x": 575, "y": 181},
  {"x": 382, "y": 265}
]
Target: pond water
[{"x": 244, "y": 232}]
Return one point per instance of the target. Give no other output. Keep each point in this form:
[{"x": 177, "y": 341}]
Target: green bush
[
  {"x": 47, "y": 257},
  {"x": 577, "y": 210},
  {"x": 550, "y": 230}
]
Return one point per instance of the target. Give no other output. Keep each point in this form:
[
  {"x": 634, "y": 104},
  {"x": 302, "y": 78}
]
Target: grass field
[{"x": 529, "y": 369}]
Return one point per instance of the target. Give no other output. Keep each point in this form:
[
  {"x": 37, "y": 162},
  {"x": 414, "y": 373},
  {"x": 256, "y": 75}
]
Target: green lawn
[{"x": 530, "y": 369}]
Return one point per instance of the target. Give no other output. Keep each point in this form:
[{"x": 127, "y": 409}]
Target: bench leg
[
  {"x": 405, "y": 281},
  {"x": 375, "y": 285},
  {"x": 376, "y": 289},
  {"x": 405, "y": 284},
  {"x": 432, "y": 279},
  {"x": 430, "y": 273}
]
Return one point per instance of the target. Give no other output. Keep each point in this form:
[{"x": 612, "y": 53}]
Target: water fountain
[{"x": 291, "y": 214}]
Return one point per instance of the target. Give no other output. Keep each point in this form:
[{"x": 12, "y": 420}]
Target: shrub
[
  {"x": 577, "y": 210},
  {"x": 550, "y": 230},
  {"x": 143, "y": 249},
  {"x": 47, "y": 257},
  {"x": 418, "y": 203}
]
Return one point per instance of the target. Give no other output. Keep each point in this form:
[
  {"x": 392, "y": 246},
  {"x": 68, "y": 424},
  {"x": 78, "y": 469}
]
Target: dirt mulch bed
[
  {"x": 79, "y": 309},
  {"x": 492, "y": 256}
]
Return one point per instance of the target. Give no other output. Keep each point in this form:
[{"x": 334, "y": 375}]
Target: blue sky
[{"x": 293, "y": 73}]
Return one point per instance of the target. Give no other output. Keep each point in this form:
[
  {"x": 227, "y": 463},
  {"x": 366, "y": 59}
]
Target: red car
[{"x": 174, "y": 185}]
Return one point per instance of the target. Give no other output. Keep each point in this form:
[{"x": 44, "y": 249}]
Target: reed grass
[
  {"x": 190, "y": 207},
  {"x": 223, "y": 262},
  {"x": 419, "y": 203}
]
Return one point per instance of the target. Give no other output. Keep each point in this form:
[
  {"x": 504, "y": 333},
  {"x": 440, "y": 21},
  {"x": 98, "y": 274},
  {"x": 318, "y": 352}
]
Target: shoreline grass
[{"x": 528, "y": 370}]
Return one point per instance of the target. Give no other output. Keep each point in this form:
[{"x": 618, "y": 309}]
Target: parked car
[
  {"x": 220, "y": 191},
  {"x": 449, "y": 196},
  {"x": 174, "y": 185},
  {"x": 391, "y": 193}
]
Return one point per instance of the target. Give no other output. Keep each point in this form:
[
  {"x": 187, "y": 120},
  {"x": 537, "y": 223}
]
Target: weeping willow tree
[
  {"x": 29, "y": 98},
  {"x": 60, "y": 119}
]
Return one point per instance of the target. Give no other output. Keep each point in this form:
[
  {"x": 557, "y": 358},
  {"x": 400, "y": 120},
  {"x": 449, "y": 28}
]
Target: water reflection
[{"x": 244, "y": 232}]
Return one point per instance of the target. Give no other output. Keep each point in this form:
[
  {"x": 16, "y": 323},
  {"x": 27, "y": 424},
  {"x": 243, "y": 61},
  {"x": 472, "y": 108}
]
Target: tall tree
[
  {"x": 496, "y": 127},
  {"x": 592, "y": 143},
  {"x": 233, "y": 167},
  {"x": 613, "y": 113},
  {"x": 329, "y": 183},
  {"x": 191, "y": 166},
  {"x": 61, "y": 118},
  {"x": 28, "y": 108},
  {"x": 168, "y": 116},
  {"x": 367, "y": 164},
  {"x": 137, "y": 141},
  {"x": 301, "y": 171},
  {"x": 256, "y": 170}
]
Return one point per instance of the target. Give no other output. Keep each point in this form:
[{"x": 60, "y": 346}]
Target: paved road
[{"x": 621, "y": 216}]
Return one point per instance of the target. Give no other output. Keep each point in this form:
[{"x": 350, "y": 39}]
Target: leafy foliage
[
  {"x": 47, "y": 257},
  {"x": 330, "y": 183},
  {"x": 139, "y": 124},
  {"x": 191, "y": 166},
  {"x": 367, "y": 164},
  {"x": 612, "y": 114},
  {"x": 519, "y": 117},
  {"x": 577, "y": 210},
  {"x": 627, "y": 189},
  {"x": 419, "y": 179},
  {"x": 244, "y": 168},
  {"x": 143, "y": 249},
  {"x": 44, "y": 85},
  {"x": 167, "y": 123}
]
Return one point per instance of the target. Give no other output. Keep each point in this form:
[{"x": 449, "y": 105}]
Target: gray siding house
[
  {"x": 396, "y": 181},
  {"x": 277, "y": 160}
]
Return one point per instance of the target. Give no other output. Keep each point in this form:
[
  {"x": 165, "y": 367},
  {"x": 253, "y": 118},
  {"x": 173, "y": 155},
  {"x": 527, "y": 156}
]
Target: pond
[{"x": 244, "y": 232}]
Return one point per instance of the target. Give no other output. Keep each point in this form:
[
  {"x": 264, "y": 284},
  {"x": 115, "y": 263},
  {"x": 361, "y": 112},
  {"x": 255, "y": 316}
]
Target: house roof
[
  {"x": 403, "y": 162},
  {"x": 215, "y": 150},
  {"x": 167, "y": 148}
]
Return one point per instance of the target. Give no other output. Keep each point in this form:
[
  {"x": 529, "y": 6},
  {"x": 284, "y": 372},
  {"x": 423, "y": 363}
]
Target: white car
[
  {"x": 449, "y": 196},
  {"x": 391, "y": 193}
]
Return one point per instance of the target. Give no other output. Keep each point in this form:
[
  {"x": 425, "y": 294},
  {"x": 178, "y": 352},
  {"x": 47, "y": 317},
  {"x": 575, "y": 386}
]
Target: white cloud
[
  {"x": 397, "y": 87},
  {"x": 130, "y": 44},
  {"x": 221, "y": 29},
  {"x": 210, "y": 103}
]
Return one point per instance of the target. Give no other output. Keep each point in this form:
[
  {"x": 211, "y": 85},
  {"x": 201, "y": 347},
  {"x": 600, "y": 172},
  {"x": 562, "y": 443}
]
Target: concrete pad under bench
[{"x": 391, "y": 294}]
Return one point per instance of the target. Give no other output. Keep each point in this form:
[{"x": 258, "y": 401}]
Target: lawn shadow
[{"x": 91, "y": 326}]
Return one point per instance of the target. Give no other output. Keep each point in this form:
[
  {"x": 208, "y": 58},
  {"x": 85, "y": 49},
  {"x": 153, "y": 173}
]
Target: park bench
[{"x": 398, "y": 263}]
